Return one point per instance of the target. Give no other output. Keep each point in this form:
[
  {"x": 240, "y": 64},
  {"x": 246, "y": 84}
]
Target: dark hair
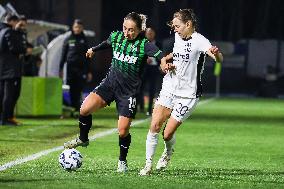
[
  {"x": 23, "y": 18},
  {"x": 11, "y": 17},
  {"x": 78, "y": 21},
  {"x": 185, "y": 15},
  {"x": 139, "y": 19},
  {"x": 29, "y": 45}
]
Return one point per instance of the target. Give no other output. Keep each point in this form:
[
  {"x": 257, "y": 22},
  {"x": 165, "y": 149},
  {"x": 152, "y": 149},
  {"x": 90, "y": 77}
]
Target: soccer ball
[{"x": 70, "y": 159}]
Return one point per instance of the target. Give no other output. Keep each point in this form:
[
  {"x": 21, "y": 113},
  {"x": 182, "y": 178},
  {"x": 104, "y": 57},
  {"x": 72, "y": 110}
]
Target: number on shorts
[
  {"x": 132, "y": 103},
  {"x": 182, "y": 110}
]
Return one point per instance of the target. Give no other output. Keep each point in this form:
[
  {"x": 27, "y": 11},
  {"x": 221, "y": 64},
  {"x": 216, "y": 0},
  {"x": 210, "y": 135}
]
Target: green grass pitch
[{"x": 226, "y": 143}]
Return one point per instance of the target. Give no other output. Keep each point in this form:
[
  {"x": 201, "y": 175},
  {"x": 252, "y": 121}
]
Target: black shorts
[{"x": 110, "y": 90}]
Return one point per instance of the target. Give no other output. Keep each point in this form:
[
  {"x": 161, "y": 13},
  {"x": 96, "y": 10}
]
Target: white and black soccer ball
[{"x": 70, "y": 159}]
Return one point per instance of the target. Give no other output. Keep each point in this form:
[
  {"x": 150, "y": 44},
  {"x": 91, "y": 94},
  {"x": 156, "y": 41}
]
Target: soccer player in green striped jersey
[{"x": 130, "y": 50}]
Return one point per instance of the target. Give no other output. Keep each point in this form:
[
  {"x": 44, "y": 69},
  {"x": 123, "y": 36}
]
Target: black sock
[
  {"x": 85, "y": 124},
  {"x": 124, "y": 144}
]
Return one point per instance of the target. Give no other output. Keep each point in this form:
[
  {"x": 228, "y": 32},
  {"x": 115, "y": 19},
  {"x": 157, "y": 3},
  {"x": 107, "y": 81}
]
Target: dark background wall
[{"x": 218, "y": 19}]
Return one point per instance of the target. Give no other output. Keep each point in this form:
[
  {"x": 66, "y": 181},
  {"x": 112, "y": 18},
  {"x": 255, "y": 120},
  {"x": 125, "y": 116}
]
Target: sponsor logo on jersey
[
  {"x": 180, "y": 55},
  {"x": 125, "y": 58}
]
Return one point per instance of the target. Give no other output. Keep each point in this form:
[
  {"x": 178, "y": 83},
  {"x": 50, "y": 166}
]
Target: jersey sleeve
[
  {"x": 103, "y": 45},
  {"x": 153, "y": 51},
  {"x": 204, "y": 44}
]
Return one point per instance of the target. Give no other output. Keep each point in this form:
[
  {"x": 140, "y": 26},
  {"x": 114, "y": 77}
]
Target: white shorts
[{"x": 182, "y": 107}]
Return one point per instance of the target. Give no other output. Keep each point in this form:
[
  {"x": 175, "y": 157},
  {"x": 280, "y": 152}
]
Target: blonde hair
[
  {"x": 143, "y": 24},
  {"x": 139, "y": 19}
]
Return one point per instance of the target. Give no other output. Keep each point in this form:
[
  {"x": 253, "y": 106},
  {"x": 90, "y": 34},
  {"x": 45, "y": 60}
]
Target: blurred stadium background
[{"x": 249, "y": 33}]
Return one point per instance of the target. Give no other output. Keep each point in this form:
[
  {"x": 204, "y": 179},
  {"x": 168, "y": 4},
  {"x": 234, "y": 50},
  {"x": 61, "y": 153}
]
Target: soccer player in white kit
[{"x": 181, "y": 87}]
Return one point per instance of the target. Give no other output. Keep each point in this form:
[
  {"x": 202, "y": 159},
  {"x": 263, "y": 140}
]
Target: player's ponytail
[{"x": 143, "y": 24}]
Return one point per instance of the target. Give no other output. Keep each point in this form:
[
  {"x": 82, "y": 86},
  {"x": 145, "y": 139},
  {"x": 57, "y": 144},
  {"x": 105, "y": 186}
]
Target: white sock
[
  {"x": 151, "y": 145},
  {"x": 169, "y": 145}
]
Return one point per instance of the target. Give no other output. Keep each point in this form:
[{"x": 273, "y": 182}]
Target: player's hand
[
  {"x": 214, "y": 50},
  {"x": 170, "y": 67},
  {"x": 149, "y": 60},
  {"x": 90, "y": 53},
  {"x": 166, "y": 67}
]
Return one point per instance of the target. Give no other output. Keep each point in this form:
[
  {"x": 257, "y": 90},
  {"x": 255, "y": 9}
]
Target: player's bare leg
[{"x": 92, "y": 103}]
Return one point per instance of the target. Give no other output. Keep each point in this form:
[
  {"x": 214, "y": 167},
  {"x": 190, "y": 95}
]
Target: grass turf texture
[{"x": 226, "y": 143}]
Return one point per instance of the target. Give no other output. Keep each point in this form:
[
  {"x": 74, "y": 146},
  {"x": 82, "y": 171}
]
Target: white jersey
[{"x": 188, "y": 57}]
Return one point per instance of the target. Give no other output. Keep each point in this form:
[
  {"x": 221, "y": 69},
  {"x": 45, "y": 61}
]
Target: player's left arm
[
  {"x": 215, "y": 53},
  {"x": 153, "y": 51}
]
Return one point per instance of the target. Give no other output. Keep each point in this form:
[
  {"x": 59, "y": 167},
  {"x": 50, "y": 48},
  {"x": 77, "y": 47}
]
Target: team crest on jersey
[
  {"x": 187, "y": 48},
  {"x": 125, "y": 58},
  {"x": 133, "y": 48}
]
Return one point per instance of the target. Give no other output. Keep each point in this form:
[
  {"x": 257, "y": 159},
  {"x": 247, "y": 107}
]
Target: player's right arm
[
  {"x": 166, "y": 63},
  {"x": 104, "y": 45}
]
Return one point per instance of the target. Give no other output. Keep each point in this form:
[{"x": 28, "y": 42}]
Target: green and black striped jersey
[{"x": 129, "y": 56}]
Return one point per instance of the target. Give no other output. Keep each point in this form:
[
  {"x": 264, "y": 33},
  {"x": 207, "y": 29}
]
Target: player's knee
[
  {"x": 167, "y": 136},
  {"x": 155, "y": 127},
  {"x": 84, "y": 111},
  {"x": 123, "y": 132}
]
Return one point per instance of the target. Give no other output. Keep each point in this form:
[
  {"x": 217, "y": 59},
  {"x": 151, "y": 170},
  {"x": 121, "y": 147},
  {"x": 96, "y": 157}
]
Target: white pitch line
[
  {"x": 45, "y": 152},
  {"x": 206, "y": 101},
  {"x": 98, "y": 135}
]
